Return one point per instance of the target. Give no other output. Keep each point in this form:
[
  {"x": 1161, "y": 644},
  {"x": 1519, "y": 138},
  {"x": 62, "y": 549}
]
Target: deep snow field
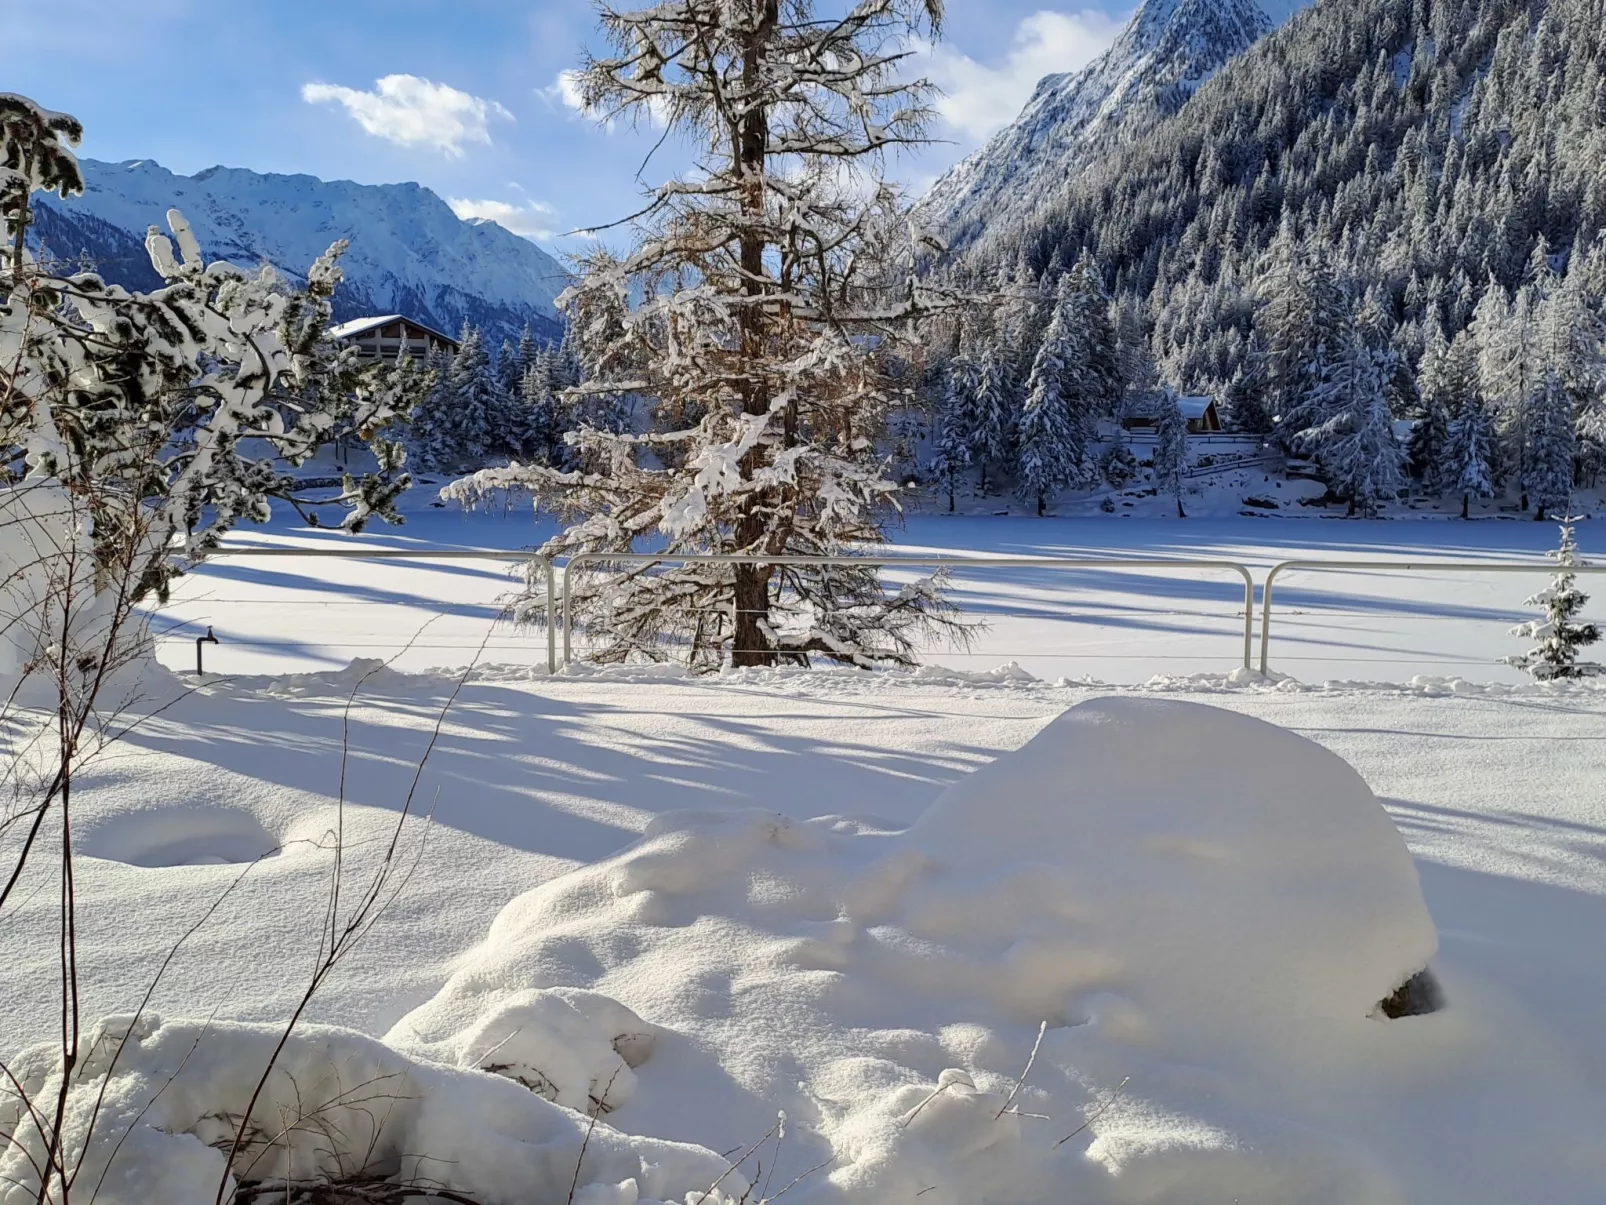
[{"x": 846, "y": 896}]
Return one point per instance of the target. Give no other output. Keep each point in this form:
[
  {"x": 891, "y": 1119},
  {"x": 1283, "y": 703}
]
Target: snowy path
[{"x": 1112, "y": 626}]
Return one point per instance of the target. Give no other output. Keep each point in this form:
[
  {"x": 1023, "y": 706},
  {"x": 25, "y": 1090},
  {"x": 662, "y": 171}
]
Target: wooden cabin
[
  {"x": 1199, "y": 411},
  {"x": 388, "y": 335}
]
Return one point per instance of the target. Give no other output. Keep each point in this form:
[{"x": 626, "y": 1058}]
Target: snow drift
[
  {"x": 1194, "y": 903},
  {"x": 1141, "y": 959}
]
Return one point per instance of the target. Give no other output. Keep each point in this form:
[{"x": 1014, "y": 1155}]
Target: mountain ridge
[
  {"x": 1165, "y": 52},
  {"x": 409, "y": 253}
]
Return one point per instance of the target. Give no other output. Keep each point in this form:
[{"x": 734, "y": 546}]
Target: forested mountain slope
[
  {"x": 1166, "y": 51},
  {"x": 1420, "y": 148}
]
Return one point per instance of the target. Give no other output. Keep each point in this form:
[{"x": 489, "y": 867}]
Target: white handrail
[
  {"x": 938, "y": 562},
  {"x": 1397, "y": 567}
]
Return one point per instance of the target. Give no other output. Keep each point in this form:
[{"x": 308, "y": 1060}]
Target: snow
[
  {"x": 303, "y": 615},
  {"x": 855, "y": 897},
  {"x": 337, "y": 1102},
  {"x": 1213, "y": 927}
]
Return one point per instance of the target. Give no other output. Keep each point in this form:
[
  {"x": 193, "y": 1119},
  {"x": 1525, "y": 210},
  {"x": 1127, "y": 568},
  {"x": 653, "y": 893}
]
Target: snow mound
[
  {"x": 1139, "y": 804},
  {"x": 338, "y": 1106},
  {"x": 1195, "y": 945}
]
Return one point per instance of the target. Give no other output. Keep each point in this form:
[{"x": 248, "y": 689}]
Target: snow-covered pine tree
[
  {"x": 1052, "y": 449},
  {"x": 427, "y": 431},
  {"x": 1304, "y": 314},
  {"x": 1435, "y": 389},
  {"x": 954, "y": 435},
  {"x": 1356, "y": 442},
  {"x": 761, "y": 300},
  {"x": 1551, "y": 445},
  {"x": 1094, "y": 388},
  {"x": 537, "y": 415},
  {"x": 1510, "y": 372},
  {"x": 1170, "y": 448},
  {"x": 1561, "y": 634},
  {"x": 509, "y": 372},
  {"x": 994, "y": 409},
  {"x": 478, "y": 412},
  {"x": 1245, "y": 398}
]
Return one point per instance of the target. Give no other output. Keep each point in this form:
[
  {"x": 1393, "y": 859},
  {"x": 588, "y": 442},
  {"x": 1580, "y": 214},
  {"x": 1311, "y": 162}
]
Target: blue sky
[{"x": 459, "y": 95}]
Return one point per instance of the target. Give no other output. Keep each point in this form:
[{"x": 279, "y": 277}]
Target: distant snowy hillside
[
  {"x": 1168, "y": 49},
  {"x": 409, "y": 254}
]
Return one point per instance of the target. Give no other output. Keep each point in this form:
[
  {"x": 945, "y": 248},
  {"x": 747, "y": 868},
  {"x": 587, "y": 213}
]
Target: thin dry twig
[
  {"x": 1021, "y": 1082},
  {"x": 1097, "y": 1113}
]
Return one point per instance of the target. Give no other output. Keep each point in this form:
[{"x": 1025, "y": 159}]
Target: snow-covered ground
[
  {"x": 702, "y": 901},
  {"x": 832, "y": 975},
  {"x": 274, "y": 615}
]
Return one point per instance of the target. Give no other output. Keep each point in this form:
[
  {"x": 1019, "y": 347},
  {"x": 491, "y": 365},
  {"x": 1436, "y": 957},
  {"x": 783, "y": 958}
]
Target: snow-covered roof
[
  {"x": 1192, "y": 406},
  {"x": 361, "y": 326}
]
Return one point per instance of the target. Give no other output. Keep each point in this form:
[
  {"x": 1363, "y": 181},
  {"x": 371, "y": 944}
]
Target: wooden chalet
[
  {"x": 388, "y": 335},
  {"x": 1198, "y": 411}
]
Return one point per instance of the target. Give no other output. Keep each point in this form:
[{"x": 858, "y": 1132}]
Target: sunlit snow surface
[{"x": 1203, "y": 911}]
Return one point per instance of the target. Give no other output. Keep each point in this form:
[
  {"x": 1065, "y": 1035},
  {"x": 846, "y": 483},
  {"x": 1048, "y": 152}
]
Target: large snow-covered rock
[
  {"x": 410, "y": 254},
  {"x": 1202, "y": 905}
]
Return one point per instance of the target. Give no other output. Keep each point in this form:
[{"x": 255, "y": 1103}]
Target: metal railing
[
  {"x": 894, "y": 562},
  {"x": 548, "y": 572},
  {"x": 1393, "y": 567}
]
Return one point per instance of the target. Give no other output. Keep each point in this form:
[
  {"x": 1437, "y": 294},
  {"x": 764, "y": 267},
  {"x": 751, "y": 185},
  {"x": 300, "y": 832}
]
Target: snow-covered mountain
[
  {"x": 1165, "y": 52},
  {"x": 410, "y": 254}
]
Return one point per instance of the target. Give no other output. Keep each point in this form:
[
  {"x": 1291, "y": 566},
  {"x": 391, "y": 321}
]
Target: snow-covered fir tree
[
  {"x": 1437, "y": 397},
  {"x": 751, "y": 328},
  {"x": 1561, "y": 634},
  {"x": 1551, "y": 444},
  {"x": 1469, "y": 453},
  {"x": 1170, "y": 448},
  {"x": 993, "y": 412},
  {"x": 1355, "y": 440},
  {"x": 954, "y": 431},
  {"x": 1053, "y": 453}
]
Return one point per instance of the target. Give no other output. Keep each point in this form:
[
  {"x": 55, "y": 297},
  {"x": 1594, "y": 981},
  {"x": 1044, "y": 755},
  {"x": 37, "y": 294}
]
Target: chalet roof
[
  {"x": 1193, "y": 406},
  {"x": 361, "y": 326}
]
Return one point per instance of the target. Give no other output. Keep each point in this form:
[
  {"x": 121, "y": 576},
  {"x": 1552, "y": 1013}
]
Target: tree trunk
[
  {"x": 1539, "y": 515},
  {"x": 1042, "y": 506},
  {"x": 1181, "y": 514},
  {"x": 751, "y": 646},
  {"x": 1466, "y": 502}
]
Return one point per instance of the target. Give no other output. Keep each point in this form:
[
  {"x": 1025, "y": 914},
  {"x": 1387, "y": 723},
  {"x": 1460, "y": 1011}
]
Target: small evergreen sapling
[{"x": 1560, "y": 634}]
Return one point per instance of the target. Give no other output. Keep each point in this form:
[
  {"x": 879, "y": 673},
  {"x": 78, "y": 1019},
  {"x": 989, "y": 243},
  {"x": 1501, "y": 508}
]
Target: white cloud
[
  {"x": 980, "y": 99},
  {"x": 533, "y": 219},
  {"x": 566, "y": 91},
  {"x": 414, "y": 112}
]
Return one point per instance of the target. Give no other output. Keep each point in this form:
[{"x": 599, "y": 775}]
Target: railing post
[
  {"x": 1265, "y": 617},
  {"x": 551, "y": 618}
]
